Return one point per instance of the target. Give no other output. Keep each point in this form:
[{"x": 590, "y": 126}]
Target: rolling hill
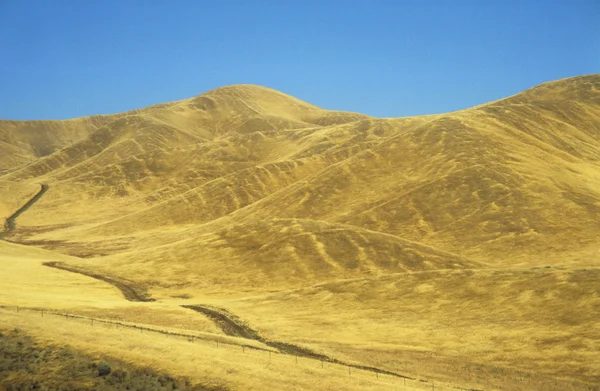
[{"x": 466, "y": 237}]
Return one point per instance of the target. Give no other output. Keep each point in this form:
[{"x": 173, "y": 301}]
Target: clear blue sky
[{"x": 63, "y": 59}]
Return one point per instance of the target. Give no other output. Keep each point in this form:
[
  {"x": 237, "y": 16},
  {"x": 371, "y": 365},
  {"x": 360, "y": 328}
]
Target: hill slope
[
  {"x": 511, "y": 179},
  {"x": 254, "y": 200}
]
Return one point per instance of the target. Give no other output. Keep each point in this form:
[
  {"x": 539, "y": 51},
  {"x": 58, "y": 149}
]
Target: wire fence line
[{"x": 116, "y": 325}]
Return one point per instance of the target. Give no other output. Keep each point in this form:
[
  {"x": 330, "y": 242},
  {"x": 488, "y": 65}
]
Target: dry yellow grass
[
  {"x": 13, "y": 195},
  {"x": 417, "y": 245},
  {"x": 203, "y": 362},
  {"x": 508, "y": 323},
  {"x": 26, "y": 282}
]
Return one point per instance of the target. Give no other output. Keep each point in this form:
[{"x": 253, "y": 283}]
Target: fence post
[
  {"x": 349, "y": 373},
  {"x": 296, "y": 360},
  {"x": 217, "y": 344},
  {"x": 321, "y": 363}
]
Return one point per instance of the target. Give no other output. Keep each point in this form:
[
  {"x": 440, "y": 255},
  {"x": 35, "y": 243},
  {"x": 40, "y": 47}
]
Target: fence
[{"x": 352, "y": 369}]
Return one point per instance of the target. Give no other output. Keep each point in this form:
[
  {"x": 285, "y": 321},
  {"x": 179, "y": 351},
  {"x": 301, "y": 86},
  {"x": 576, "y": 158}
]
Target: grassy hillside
[
  {"x": 50, "y": 367},
  {"x": 13, "y": 195},
  {"x": 541, "y": 321},
  {"x": 461, "y": 239}
]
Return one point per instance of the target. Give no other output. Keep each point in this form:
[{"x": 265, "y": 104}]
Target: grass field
[{"x": 458, "y": 250}]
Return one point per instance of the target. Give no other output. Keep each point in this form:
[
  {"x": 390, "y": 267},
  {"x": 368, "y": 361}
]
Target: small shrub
[{"x": 103, "y": 369}]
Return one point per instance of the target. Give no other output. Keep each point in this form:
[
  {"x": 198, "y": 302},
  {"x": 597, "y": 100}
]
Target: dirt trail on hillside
[
  {"x": 10, "y": 223},
  {"x": 131, "y": 292},
  {"x": 229, "y": 323},
  {"x": 232, "y": 325}
]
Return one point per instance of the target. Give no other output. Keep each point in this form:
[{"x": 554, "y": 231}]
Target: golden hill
[
  {"x": 256, "y": 201},
  {"x": 512, "y": 177}
]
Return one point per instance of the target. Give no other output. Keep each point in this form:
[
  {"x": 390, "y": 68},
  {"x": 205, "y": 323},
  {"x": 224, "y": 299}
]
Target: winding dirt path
[
  {"x": 10, "y": 223},
  {"x": 128, "y": 290},
  {"x": 229, "y": 323},
  {"x": 232, "y": 325}
]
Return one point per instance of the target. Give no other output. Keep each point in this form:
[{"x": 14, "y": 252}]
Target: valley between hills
[{"x": 244, "y": 239}]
